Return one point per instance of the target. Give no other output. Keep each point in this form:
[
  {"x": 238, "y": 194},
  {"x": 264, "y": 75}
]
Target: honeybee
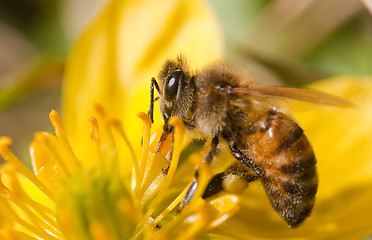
[{"x": 225, "y": 104}]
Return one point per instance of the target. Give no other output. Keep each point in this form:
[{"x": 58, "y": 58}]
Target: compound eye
[{"x": 171, "y": 86}]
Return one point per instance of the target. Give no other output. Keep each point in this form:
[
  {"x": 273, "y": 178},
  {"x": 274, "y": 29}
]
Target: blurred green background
[{"x": 287, "y": 42}]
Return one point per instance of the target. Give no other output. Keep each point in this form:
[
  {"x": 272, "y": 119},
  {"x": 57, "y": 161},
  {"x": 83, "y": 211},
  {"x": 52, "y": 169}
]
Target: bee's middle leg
[
  {"x": 228, "y": 179},
  {"x": 207, "y": 159}
]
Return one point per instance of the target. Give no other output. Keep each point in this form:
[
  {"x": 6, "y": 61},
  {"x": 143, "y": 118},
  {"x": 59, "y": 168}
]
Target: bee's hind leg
[
  {"x": 238, "y": 155},
  {"x": 235, "y": 179},
  {"x": 214, "y": 186}
]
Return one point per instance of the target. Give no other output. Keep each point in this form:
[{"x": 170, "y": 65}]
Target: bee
[{"x": 224, "y": 104}]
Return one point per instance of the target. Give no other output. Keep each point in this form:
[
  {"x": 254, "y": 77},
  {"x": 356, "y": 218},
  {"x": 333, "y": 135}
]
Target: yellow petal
[
  {"x": 341, "y": 137},
  {"x": 225, "y": 206},
  {"x": 113, "y": 62}
]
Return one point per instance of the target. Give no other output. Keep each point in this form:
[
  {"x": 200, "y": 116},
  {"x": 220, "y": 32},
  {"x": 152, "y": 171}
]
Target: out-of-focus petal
[{"x": 116, "y": 57}]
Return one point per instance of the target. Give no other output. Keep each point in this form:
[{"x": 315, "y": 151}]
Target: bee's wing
[{"x": 302, "y": 94}]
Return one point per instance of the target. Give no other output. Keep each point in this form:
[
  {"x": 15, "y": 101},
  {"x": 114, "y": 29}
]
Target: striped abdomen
[{"x": 277, "y": 144}]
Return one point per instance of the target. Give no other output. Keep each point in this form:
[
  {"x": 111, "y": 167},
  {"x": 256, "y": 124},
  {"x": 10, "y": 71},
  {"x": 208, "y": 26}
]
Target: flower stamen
[
  {"x": 11, "y": 158},
  {"x": 17, "y": 188},
  {"x": 94, "y": 130},
  {"x": 145, "y": 146},
  {"x": 61, "y": 135},
  {"x": 8, "y": 211},
  {"x": 44, "y": 138},
  {"x": 95, "y": 138},
  {"x": 110, "y": 148},
  {"x": 17, "y": 196},
  {"x": 120, "y": 129},
  {"x": 171, "y": 206},
  {"x": 177, "y": 221},
  {"x": 179, "y": 132}
]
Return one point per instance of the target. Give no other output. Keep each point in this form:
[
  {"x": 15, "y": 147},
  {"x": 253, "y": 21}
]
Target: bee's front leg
[{"x": 152, "y": 99}]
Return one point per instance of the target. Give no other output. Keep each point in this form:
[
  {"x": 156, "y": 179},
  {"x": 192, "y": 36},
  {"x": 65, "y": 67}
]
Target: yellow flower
[
  {"x": 103, "y": 190},
  {"x": 65, "y": 200}
]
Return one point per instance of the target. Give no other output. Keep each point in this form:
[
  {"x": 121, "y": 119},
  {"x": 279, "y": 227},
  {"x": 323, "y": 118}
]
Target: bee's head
[{"x": 176, "y": 89}]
